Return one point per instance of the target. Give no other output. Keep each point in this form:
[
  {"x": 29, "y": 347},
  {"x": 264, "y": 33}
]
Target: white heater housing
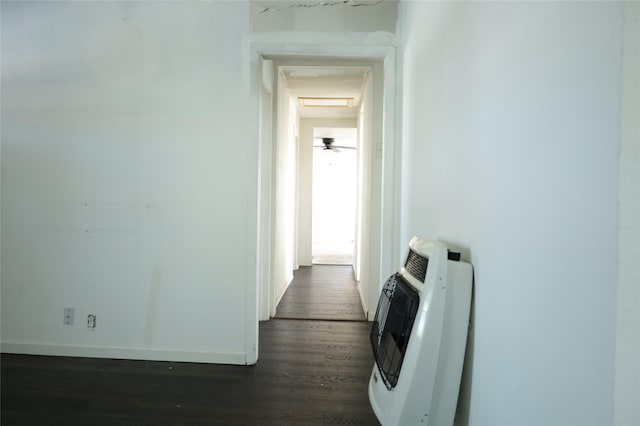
[{"x": 424, "y": 390}]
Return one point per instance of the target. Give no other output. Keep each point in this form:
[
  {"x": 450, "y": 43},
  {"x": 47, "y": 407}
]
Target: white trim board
[{"x": 116, "y": 352}]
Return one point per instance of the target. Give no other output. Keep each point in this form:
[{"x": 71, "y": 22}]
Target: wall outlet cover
[
  {"x": 68, "y": 316},
  {"x": 91, "y": 321}
]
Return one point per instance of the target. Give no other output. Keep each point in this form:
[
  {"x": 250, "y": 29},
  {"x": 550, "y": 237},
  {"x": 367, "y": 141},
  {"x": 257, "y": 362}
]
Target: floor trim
[{"x": 114, "y": 352}]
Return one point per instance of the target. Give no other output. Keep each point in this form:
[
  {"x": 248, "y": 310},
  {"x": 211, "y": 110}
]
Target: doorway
[
  {"x": 360, "y": 83},
  {"x": 334, "y": 195},
  {"x": 322, "y": 284},
  {"x": 376, "y": 242},
  {"x": 318, "y": 101}
]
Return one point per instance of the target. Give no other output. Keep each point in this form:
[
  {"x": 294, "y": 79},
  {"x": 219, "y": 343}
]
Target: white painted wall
[
  {"x": 124, "y": 179},
  {"x": 365, "y": 272},
  {"x": 627, "y": 367},
  {"x": 511, "y": 124},
  {"x": 285, "y": 213},
  {"x": 266, "y": 182},
  {"x": 378, "y": 151},
  {"x": 324, "y": 16}
]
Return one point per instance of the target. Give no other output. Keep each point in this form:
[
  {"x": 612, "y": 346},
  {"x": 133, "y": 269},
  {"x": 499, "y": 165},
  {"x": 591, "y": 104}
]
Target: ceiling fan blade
[{"x": 325, "y": 148}]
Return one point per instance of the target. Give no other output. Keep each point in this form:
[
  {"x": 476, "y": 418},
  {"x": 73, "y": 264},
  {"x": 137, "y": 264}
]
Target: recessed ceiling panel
[{"x": 318, "y": 82}]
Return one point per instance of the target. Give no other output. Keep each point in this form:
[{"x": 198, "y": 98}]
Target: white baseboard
[
  {"x": 365, "y": 308},
  {"x": 289, "y": 280},
  {"x": 114, "y": 352}
]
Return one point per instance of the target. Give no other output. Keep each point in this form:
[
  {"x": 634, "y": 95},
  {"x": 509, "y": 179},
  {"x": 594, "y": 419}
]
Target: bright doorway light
[
  {"x": 334, "y": 197},
  {"x": 325, "y": 102}
]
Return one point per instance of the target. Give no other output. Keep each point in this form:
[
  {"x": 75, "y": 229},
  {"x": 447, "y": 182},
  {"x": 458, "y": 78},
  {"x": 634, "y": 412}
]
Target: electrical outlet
[
  {"x": 91, "y": 321},
  {"x": 68, "y": 316}
]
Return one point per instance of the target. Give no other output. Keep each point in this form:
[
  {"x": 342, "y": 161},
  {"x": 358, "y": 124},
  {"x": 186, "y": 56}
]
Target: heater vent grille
[
  {"x": 416, "y": 265},
  {"x": 392, "y": 326}
]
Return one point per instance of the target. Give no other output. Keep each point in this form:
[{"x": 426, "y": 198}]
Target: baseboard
[
  {"x": 289, "y": 280},
  {"x": 365, "y": 308},
  {"x": 114, "y": 352}
]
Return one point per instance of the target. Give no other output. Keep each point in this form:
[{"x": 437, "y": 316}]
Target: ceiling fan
[{"x": 328, "y": 145}]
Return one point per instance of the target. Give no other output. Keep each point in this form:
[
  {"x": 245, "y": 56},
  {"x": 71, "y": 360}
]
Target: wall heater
[{"x": 419, "y": 337}]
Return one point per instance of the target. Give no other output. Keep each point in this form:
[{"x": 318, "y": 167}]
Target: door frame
[{"x": 257, "y": 227}]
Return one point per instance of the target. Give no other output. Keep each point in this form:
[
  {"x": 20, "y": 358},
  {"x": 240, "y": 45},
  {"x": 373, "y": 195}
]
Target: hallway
[{"x": 322, "y": 292}]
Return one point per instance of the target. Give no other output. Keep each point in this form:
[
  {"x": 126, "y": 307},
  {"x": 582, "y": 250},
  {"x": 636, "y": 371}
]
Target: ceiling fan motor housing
[{"x": 328, "y": 142}]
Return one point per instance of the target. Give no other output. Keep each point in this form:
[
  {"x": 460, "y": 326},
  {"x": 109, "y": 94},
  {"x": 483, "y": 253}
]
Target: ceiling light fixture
[{"x": 325, "y": 102}]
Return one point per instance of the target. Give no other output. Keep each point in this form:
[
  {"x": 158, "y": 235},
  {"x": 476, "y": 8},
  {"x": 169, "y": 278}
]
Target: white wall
[
  {"x": 627, "y": 367},
  {"x": 124, "y": 179},
  {"x": 266, "y": 182},
  {"x": 511, "y": 129},
  {"x": 285, "y": 213},
  {"x": 364, "y": 264},
  {"x": 323, "y": 16},
  {"x": 376, "y": 175}
]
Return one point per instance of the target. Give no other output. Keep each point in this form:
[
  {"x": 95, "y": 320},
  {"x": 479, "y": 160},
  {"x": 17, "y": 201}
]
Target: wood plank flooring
[
  {"x": 327, "y": 292},
  {"x": 309, "y": 373}
]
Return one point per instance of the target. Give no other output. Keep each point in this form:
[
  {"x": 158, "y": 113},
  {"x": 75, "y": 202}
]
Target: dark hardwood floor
[
  {"x": 309, "y": 373},
  {"x": 326, "y": 292}
]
